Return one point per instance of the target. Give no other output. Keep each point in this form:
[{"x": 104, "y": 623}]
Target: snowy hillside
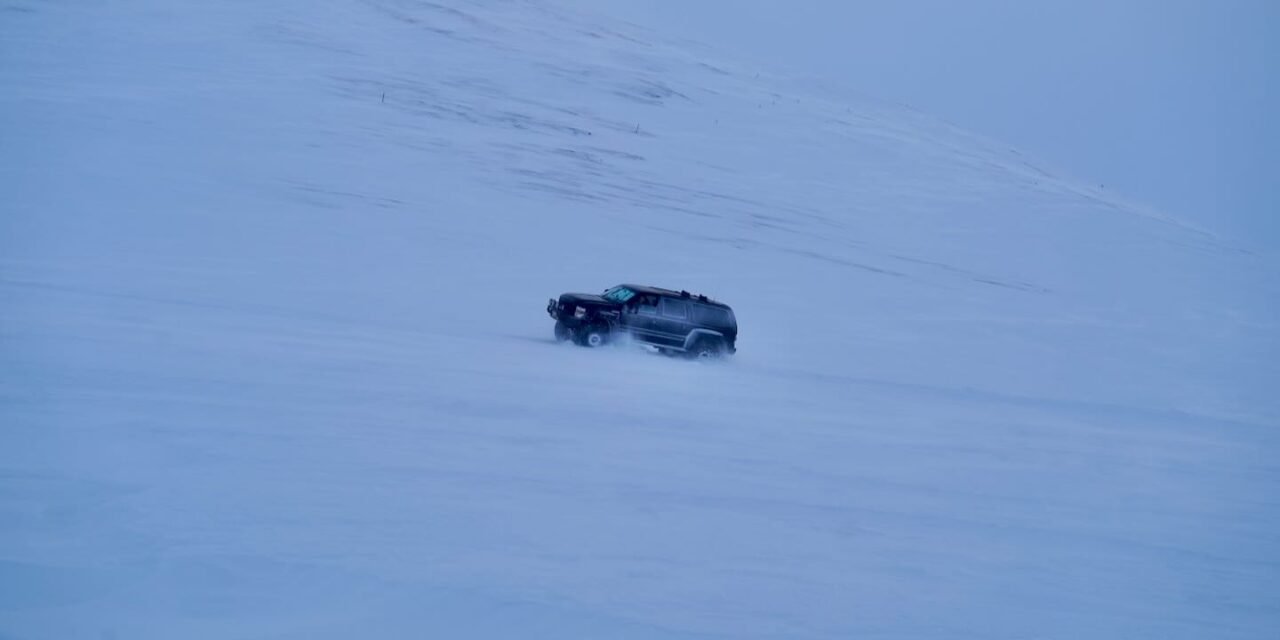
[{"x": 274, "y": 361}]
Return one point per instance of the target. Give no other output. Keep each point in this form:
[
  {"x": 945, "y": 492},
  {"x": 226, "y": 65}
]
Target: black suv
[{"x": 672, "y": 321}]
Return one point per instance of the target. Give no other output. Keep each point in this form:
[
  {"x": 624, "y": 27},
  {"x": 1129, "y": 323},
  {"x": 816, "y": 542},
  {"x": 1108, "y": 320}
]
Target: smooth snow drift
[{"x": 274, "y": 361}]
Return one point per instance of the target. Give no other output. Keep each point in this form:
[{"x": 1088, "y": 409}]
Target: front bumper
[{"x": 568, "y": 313}]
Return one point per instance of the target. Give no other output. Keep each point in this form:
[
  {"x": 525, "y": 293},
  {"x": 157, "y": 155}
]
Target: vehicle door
[
  {"x": 672, "y": 322},
  {"x": 639, "y": 315}
]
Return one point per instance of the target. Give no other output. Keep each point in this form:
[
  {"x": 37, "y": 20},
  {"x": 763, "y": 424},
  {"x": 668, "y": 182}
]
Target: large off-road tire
[
  {"x": 707, "y": 349},
  {"x": 593, "y": 336},
  {"x": 562, "y": 332}
]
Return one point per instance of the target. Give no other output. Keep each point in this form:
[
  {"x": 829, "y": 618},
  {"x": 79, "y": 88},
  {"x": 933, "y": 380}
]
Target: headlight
[{"x": 580, "y": 312}]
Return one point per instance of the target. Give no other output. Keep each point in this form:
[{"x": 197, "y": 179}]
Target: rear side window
[
  {"x": 712, "y": 316},
  {"x": 672, "y": 308}
]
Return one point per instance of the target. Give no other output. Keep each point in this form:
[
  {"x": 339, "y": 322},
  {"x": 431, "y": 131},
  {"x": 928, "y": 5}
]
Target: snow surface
[{"x": 274, "y": 361}]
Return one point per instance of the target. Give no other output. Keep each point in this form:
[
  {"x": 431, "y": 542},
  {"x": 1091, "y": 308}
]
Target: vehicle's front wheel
[
  {"x": 594, "y": 336},
  {"x": 562, "y": 332}
]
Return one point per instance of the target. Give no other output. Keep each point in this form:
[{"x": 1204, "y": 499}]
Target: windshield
[{"x": 619, "y": 295}]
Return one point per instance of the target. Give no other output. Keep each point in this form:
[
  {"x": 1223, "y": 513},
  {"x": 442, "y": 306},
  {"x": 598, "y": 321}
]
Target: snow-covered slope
[{"x": 274, "y": 361}]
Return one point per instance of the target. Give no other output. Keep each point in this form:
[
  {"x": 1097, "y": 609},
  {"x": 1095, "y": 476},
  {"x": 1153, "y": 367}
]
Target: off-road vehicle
[{"x": 673, "y": 322}]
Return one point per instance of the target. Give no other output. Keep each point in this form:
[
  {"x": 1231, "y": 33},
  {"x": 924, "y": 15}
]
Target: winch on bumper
[{"x": 566, "y": 312}]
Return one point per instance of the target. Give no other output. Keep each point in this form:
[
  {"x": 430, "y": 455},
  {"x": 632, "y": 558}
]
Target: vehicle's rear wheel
[
  {"x": 593, "y": 336},
  {"x": 707, "y": 349},
  {"x": 562, "y": 332}
]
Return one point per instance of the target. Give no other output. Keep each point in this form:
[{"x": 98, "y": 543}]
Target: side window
[
  {"x": 710, "y": 316},
  {"x": 675, "y": 309},
  {"x": 648, "y": 306}
]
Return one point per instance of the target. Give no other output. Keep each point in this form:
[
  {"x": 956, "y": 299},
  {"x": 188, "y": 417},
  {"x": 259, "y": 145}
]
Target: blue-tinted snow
[{"x": 275, "y": 364}]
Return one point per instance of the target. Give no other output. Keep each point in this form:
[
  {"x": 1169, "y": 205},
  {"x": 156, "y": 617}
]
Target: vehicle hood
[{"x": 586, "y": 299}]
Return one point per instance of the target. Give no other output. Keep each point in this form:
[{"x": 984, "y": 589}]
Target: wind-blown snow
[{"x": 274, "y": 361}]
